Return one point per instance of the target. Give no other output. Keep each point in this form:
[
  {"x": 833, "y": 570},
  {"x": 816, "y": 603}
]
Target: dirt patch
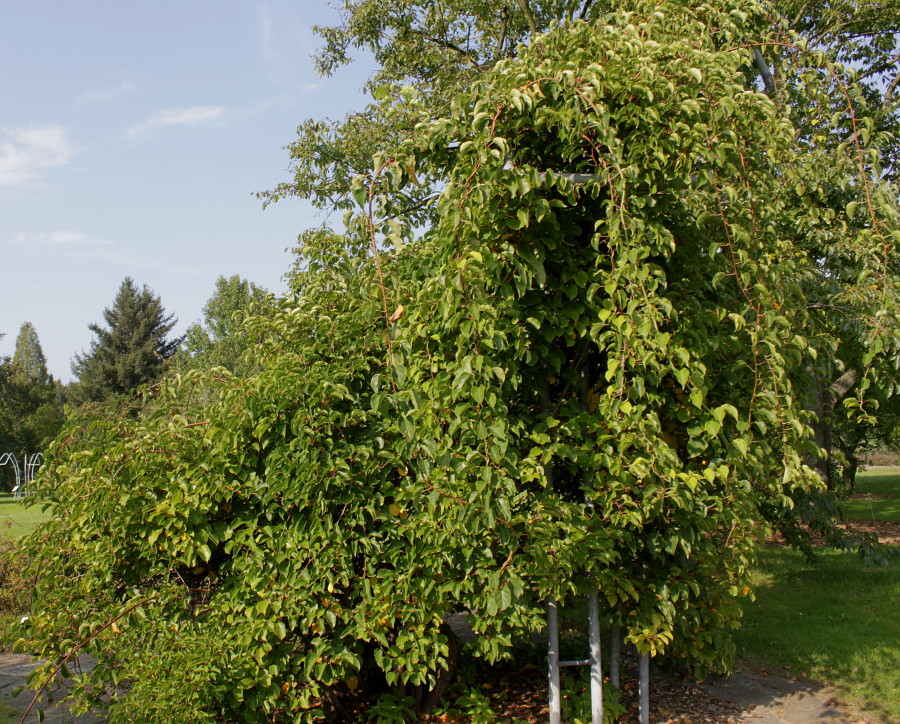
[
  {"x": 888, "y": 531},
  {"x": 880, "y": 459}
]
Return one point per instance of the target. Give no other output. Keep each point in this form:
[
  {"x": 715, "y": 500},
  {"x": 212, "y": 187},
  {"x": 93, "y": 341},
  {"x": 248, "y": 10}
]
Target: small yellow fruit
[
  {"x": 403, "y": 515},
  {"x": 353, "y": 683},
  {"x": 395, "y": 509}
]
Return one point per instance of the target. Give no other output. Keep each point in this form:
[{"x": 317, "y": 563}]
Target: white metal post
[
  {"x": 644, "y": 688},
  {"x": 596, "y": 660},
  {"x": 553, "y": 661}
]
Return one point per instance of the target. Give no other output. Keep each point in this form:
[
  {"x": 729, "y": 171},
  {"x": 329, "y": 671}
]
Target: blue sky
[{"x": 133, "y": 136}]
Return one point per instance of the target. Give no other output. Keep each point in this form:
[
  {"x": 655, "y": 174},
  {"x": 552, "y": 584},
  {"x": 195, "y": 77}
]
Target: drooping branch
[{"x": 467, "y": 54}]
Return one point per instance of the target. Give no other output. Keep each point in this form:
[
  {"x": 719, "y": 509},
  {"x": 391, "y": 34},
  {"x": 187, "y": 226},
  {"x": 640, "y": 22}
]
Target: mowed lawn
[
  {"x": 836, "y": 621},
  {"x": 15, "y": 519},
  {"x": 881, "y": 488}
]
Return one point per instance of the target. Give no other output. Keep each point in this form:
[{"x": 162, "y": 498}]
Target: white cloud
[
  {"x": 25, "y": 153},
  {"x": 64, "y": 238},
  {"x": 192, "y": 116},
  {"x": 80, "y": 247},
  {"x": 101, "y": 95}
]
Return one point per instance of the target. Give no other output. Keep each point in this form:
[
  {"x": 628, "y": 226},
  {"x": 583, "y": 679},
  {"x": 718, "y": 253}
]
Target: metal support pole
[
  {"x": 553, "y": 661},
  {"x": 596, "y": 661},
  {"x": 644, "y": 688},
  {"x": 615, "y": 655}
]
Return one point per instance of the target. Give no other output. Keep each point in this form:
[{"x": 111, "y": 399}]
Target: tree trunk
[
  {"x": 849, "y": 472},
  {"x": 823, "y": 398}
]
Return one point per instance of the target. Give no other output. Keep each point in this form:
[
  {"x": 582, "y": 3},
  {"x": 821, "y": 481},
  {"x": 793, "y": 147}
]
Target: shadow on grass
[{"x": 836, "y": 622}]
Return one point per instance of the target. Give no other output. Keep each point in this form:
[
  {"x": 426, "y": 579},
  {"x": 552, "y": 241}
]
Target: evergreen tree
[
  {"x": 31, "y": 408},
  {"x": 131, "y": 351},
  {"x": 28, "y": 360}
]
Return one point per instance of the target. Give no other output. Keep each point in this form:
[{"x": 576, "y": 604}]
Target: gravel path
[
  {"x": 13, "y": 670},
  {"x": 776, "y": 700}
]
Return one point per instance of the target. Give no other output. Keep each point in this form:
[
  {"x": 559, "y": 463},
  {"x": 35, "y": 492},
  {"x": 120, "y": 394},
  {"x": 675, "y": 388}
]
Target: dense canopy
[{"x": 588, "y": 371}]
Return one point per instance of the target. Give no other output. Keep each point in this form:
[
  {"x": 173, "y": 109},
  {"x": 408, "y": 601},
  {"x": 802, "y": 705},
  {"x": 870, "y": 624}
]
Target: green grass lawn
[
  {"x": 835, "y": 622},
  {"x": 880, "y": 481},
  {"x": 15, "y": 519}
]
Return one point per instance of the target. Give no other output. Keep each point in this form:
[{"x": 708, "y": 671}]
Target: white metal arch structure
[
  {"x": 31, "y": 464},
  {"x": 10, "y": 459}
]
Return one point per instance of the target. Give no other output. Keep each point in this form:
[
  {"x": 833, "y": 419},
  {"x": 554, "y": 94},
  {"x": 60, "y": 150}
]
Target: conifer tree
[
  {"x": 31, "y": 408},
  {"x": 131, "y": 350},
  {"x": 28, "y": 360}
]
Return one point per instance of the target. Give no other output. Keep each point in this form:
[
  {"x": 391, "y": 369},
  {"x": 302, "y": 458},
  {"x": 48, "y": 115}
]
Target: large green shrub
[{"x": 432, "y": 412}]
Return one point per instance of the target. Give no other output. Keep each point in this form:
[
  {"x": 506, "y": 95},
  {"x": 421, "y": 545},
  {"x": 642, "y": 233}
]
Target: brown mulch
[{"x": 520, "y": 694}]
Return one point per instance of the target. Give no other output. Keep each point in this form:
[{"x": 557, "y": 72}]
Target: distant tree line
[{"x": 135, "y": 347}]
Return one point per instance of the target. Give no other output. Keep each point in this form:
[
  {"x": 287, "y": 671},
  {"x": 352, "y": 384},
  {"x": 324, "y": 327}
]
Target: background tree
[
  {"x": 29, "y": 359},
  {"x": 31, "y": 402},
  {"x": 855, "y": 360},
  {"x": 131, "y": 350},
  {"x": 14, "y": 408},
  {"x": 219, "y": 339}
]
